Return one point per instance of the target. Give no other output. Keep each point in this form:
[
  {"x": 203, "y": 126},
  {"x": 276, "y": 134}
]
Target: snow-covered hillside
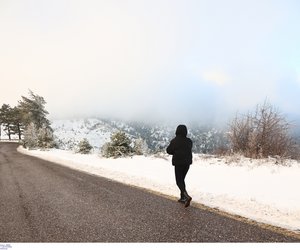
[{"x": 69, "y": 133}]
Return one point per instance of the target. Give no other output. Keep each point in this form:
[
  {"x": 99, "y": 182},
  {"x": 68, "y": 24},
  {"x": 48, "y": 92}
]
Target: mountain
[
  {"x": 97, "y": 131},
  {"x": 68, "y": 133}
]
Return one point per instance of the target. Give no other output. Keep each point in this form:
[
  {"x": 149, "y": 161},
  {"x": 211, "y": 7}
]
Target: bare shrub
[
  {"x": 233, "y": 158},
  {"x": 263, "y": 133}
]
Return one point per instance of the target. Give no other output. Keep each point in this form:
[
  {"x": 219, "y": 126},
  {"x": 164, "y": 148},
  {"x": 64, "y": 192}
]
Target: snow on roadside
[{"x": 257, "y": 189}]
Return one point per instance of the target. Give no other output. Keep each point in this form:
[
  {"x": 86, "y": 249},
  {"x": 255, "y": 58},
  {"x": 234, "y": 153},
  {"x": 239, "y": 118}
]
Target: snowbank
[{"x": 257, "y": 189}]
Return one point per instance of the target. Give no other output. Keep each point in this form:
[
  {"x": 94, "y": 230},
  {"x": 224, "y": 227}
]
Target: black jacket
[{"x": 181, "y": 147}]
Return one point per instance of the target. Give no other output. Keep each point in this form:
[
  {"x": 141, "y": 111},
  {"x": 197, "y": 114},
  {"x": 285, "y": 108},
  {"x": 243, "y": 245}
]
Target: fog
[{"x": 179, "y": 61}]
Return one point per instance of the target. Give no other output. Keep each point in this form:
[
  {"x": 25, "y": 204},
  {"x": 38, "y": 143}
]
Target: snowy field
[{"x": 261, "y": 190}]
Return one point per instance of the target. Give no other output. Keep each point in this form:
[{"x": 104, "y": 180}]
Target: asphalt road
[{"x": 44, "y": 202}]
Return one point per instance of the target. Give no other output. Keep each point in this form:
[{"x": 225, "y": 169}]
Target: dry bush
[{"x": 263, "y": 133}]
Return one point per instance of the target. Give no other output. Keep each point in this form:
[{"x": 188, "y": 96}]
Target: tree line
[{"x": 28, "y": 121}]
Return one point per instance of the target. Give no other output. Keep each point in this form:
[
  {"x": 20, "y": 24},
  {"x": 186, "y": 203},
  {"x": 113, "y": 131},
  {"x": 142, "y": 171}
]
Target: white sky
[{"x": 151, "y": 59}]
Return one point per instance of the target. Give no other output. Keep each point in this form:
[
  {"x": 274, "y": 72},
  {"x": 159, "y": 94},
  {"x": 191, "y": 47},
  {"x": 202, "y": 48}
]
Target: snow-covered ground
[{"x": 261, "y": 190}]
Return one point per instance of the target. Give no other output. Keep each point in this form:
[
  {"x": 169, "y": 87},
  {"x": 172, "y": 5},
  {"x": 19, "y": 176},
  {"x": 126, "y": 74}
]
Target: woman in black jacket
[{"x": 181, "y": 149}]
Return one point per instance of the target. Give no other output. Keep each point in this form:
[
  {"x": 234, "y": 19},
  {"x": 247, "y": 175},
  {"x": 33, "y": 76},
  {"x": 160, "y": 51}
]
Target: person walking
[{"x": 180, "y": 148}]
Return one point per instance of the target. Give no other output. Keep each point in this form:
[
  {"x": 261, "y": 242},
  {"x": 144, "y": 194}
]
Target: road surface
[{"x": 44, "y": 202}]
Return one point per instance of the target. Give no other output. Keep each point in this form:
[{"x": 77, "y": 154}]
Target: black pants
[{"x": 180, "y": 173}]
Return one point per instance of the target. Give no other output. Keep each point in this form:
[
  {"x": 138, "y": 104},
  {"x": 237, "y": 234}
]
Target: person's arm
[{"x": 170, "y": 148}]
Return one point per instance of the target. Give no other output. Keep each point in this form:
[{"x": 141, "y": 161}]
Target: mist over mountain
[{"x": 69, "y": 132}]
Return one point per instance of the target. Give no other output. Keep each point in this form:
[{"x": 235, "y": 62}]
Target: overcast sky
[{"x": 152, "y": 59}]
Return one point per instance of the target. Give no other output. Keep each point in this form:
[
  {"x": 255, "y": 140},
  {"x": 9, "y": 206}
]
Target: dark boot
[
  {"x": 187, "y": 199},
  {"x": 182, "y": 198}
]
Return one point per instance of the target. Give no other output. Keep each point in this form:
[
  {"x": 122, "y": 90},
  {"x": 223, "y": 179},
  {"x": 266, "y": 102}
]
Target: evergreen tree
[
  {"x": 84, "y": 147},
  {"x": 6, "y": 119},
  {"x": 17, "y": 126},
  {"x": 38, "y": 132},
  {"x": 33, "y": 110},
  {"x": 45, "y": 138},
  {"x": 10, "y": 119},
  {"x": 119, "y": 146}
]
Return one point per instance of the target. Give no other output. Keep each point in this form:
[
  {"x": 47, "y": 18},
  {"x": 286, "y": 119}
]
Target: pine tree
[
  {"x": 119, "y": 146},
  {"x": 84, "y": 147},
  {"x": 37, "y": 126},
  {"x": 45, "y": 138},
  {"x": 6, "y": 119},
  {"x": 33, "y": 110},
  {"x": 17, "y": 126}
]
